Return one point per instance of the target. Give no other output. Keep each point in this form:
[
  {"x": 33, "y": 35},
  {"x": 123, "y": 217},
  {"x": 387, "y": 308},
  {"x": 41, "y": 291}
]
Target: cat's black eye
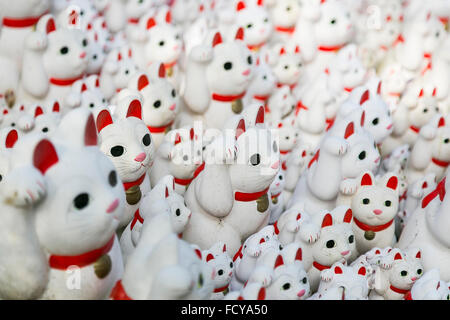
[
  {"x": 174, "y": 93},
  {"x": 1, "y": 178},
  {"x": 227, "y": 65},
  {"x": 249, "y": 25},
  {"x": 94, "y": 57},
  {"x": 266, "y": 20},
  {"x": 82, "y": 13},
  {"x": 146, "y": 140},
  {"x": 64, "y": 50},
  {"x": 375, "y": 121},
  {"x": 280, "y": 177},
  {"x": 249, "y": 59},
  {"x": 365, "y": 201},
  {"x": 81, "y": 201},
  {"x": 185, "y": 158},
  {"x": 13, "y": 124},
  {"x": 351, "y": 239},
  {"x": 446, "y": 140},
  {"x": 286, "y": 286},
  {"x": 265, "y": 77},
  {"x": 330, "y": 244},
  {"x": 200, "y": 280},
  {"x": 117, "y": 151},
  {"x": 333, "y": 21},
  {"x": 45, "y": 129},
  {"x": 387, "y": 203},
  {"x": 157, "y": 104},
  {"x": 112, "y": 178},
  {"x": 127, "y": 71},
  {"x": 85, "y": 42},
  {"x": 362, "y": 155},
  {"x": 255, "y": 159},
  {"x": 91, "y": 105},
  {"x": 305, "y": 280},
  {"x": 425, "y": 110},
  {"x": 231, "y": 264},
  {"x": 404, "y": 273},
  {"x": 419, "y": 271},
  {"x": 286, "y": 67},
  {"x": 220, "y": 272},
  {"x": 177, "y": 212},
  {"x": 161, "y": 43}
]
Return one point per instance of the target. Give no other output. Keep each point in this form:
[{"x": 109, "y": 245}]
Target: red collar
[
  {"x": 408, "y": 296},
  {"x": 82, "y": 260},
  {"x": 348, "y": 89},
  {"x": 246, "y": 197},
  {"x": 261, "y": 98},
  {"x": 21, "y": 22},
  {"x": 133, "y": 20},
  {"x": 329, "y": 123},
  {"x": 221, "y": 289},
  {"x": 284, "y": 165},
  {"x": 329, "y": 49},
  {"x": 440, "y": 163},
  {"x": 299, "y": 107},
  {"x": 183, "y": 182},
  {"x": 292, "y": 86},
  {"x": 289, "y": 30},
  {"x": 159, "y": 129},
  {"x": 366, "y": 227},
  {"x": 170, "y": 65},
  {"x": 64, "y": 82},
  {"x": 255, "y": 47},
  {"x": 415, "y": 129},
  {"x": 403, "y": 196},
  {"x": 238, "y": 254},
  {"x": 218, "y": 97},
  {"x": 285, "y": 151},
  {"x": 275, "y": 195},
  {"x": 128, "y": 185},
  {"x": 427, "y": 55},
  {"x": 319, "y": 266},
  {"x": 199, "y": 169},
  {"x": 440, "y": 190},
  {"x": 401, "y": 291},
  {"x": 137, "y": 217},
  {"x": 118, "y": 292}
]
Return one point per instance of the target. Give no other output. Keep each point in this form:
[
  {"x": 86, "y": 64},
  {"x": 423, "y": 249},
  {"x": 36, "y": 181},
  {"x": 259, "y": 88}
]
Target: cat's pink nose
[
  {"x": 246, "y": 72},
  {"x": 344, "y": 253},
  {"x": 377, "y": 211},
  {"x": 389, "y": 126},
  {"x": 172, "y": 107},
  {"x": 413, "y": 278},
  {"x": 83, "y": 55},
  {"x": 275, "y": 165},
  {"x": 140, "y": 157},
  {"x": 113, "y": 206},
  {"x": 301, "y": 293},
  {"x": 377, "y": 159}
]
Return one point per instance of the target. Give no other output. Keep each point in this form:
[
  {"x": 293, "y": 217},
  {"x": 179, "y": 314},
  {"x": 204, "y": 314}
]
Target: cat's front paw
[
  {"x": 73, "y": 100},
  {"x": 348, "y": 186},
  {"x": 25, "y": 123},
  {"x": 309, "y": 232},
  {"x": 335, "y": 146},
  {"x": 201, "y": 54},
  {"x": 36, "y": 41},
  {"x": 23, "y": 186}
]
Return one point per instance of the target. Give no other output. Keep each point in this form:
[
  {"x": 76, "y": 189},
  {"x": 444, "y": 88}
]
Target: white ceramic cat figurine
[
  {"x": 127, "y": 141},
  {"x": 217, "y": 257},
  {"x": 429, "y": 287},
  {"x": 276, "y": 195}
]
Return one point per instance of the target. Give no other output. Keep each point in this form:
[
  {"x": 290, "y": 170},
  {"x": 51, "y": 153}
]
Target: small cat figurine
[{"x": 217, "y": 257}]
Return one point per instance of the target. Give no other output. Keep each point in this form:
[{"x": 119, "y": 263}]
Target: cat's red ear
[
  {"x": 362, "y": 271},
  {"x": 162, "y": 71},
  {"x": 83, "y": 87},
  {"x": 177, "y": 139},
  {"x": 349, "y": 131},
  {"x": 363, "y": 118},
  {"x": 142, "y": 82},
  {"x": 278, "y": 262},
  {"x": 135, "y": 109},
  {"x": 239, "y": 34},
  {"x": 166, "y": 194},
  {"x": 421, "y": 93},
  {"x": 262, "y": 294},
  {"x": 224, "y": 249},
  {"x": 282, "y": 51},
  {"x": 51, "y": 26},
  {"x": 337, "y": 270},
  {"x": 392, "y": 183},
  {"x": 103, "y": 120},
  {"x": 379, "y": 88},
  {"x": 327, "y": 220},
  {"x": 299, "y": 255},
  {"x": 217, "y": 39},
  {"x": 434, "y": 92},
  {"x": 418, "y": 255},
  {"x": 240, "y": 6},
  {"x": 260, "y": 3},
  {"x": 11, "y": 138},
  {"x": 90, "y": 132},
  {"x": 366, "y": 180},
  {"x": 240, "y": 129},
  {"x": 44, "y": 156},
  {"x": 348, "y": 216},
  {"x": 365, "y": 96},
  {"x": 209, "y": 257},
  {"x": 198, "y": 253},
  {"x": 169, "y": 17},
  {"x": 260, "y": 115},
  {"x": 56, "y": 107},
  {"x": 441, "y": 122},
  {"x": 150, "y": 23},
  {"x": 38, "y": 111},
  {"x": 398, "y": 256}
]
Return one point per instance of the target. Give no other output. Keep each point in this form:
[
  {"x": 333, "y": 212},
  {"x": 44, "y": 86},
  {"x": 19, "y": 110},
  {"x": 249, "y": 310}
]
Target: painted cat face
[
  {"x": 406, "y": 269},
  {"x": 291, "y": 283},
  {"x": 218, "y": 258},
  {"x": 230, "y": 71},
  {"x": 46, "y": 122},
  {"x": 278, "y": 183},
  {"x": 263, "y": 82},
  {"x": 66, "y": 55},
  {"x": 92, "y": 97},
  {"x": 334, "y": 26},
  {"x": 336, "y": 241},
  {"x": 424, "y": 111},
  {"x": 441, "y": 143},
  {"x": 86, "y": 195},
  {"x": 376, "y": 203},
  {"x": 160, "y": 100},
  {"x": 256, "y": 22},
  {"x": 288, "y": 66},
  {"x": 288, "y": 134},
  {"x": 127, "y": 142},
  {"x": 282, "y": 100},
  {"x": 179, "y": 213},
  {"x": 285, "y": 13}
]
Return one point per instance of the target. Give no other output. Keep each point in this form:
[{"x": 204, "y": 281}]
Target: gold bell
[
  {"x": 237, "y": 106},
  {"x": 133, "y": 195},
  {"x": 274, "y": 200},
  {"x": 169, "y": 72},
  {"x": 262, "y": 203},
  {"x": 102, "y": 266},
  {"x": 369, "y": 235}
]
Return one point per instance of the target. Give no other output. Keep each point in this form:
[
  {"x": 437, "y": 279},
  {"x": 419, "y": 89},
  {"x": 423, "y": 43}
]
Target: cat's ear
[
  {"x": 224, "y": 249},
  {"x": 209, "y": 257},
  {"x": 366, "y": 179},
  {"x": 392, "y": 182},
  {"x": 104, "y": 119},
  {"x": 135, "y": 109},
  {"x": 38, "y": 111},
  {"x": 327, "y": 220},
  {"x": 56, "y": 107},
  {"x": 260, "y": 115},
  {"x": 261, "y": 294},
  {"x": 44, "y": 156},
  {"x": 142, "y": 82},
  {"x": 151, "y": 22},
  {"x": 11, "y": 138},
  {"x": 363, "y": 118},
  {"x": 349, "y": 131},
  {"x": 362, "y": 271},
  {"x": 51, "y": 25},
  {"x": 198, "y": 253},
  {"x": 217, "y": 39},
  {"x": 240, "y": 128},
  {"x": 364, "y": 97},
  {"x": 278, "y": 262},
  {"x": 379, "y": 88},
  {"x": 338, "y": 270},
  {"x": 240, "y": 6},
  {"x": 169, "y": 17},
  {"x": 299, "y": 255},
  {"x": 441, "y": 122},
  {"x": 348, "y": 216},
  {"x": 240, "y": 34},
  {"x": 398, "y": 256}
]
